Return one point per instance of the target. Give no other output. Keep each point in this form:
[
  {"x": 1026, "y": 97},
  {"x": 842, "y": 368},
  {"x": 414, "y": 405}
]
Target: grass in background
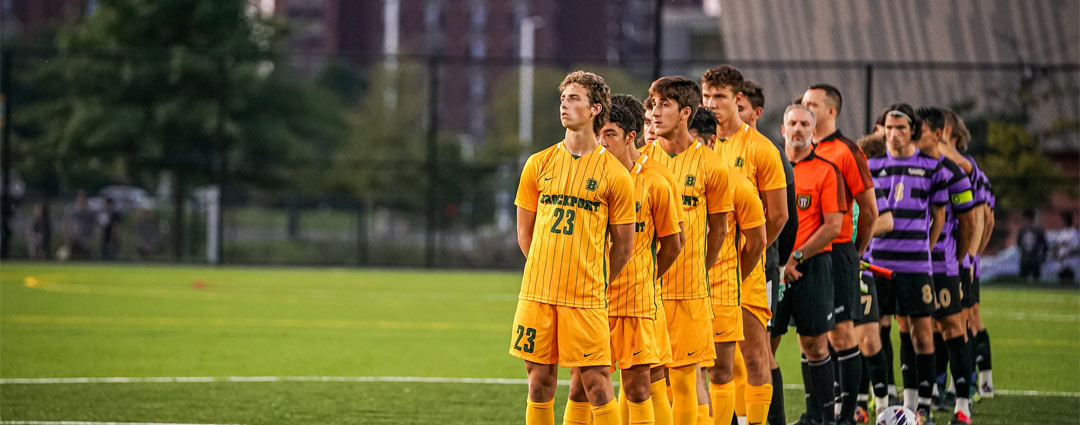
[{"x": 104, "y": 321}]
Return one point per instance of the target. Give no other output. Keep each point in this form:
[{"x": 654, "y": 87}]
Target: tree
[
  {"x": 1023, "y": 177},
  {"x": 194, "y": 88}
]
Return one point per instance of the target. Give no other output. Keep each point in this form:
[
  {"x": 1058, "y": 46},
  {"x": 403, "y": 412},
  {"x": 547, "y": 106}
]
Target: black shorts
[
  {"x": 974, "y": 293},
  {"x": 949, "y": 300},
  {"x": 886, "y": 296},
  {"x": 809, "y": 300},
  {"x": 966, "y": 288},
  {"x": 772, "y": 277},
  {"x": 845, "y": 263},
  {"x": 915, "y": 296},
  {"x": 870, "y": 306}
]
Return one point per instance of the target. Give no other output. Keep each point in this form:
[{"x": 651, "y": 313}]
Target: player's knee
[
  {"x": 638, "y": 392},
  {"x": 718, "y": 375}
]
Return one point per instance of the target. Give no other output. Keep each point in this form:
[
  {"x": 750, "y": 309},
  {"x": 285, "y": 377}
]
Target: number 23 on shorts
[{"x": 529, "y": 334}]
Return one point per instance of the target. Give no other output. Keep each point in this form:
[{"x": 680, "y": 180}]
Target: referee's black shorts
[
  {"x": 845, "y": 265},
  {"x": 809, "y": 300}
]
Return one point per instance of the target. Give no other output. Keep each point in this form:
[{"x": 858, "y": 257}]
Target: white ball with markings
[{"x": 897, "y": 415}]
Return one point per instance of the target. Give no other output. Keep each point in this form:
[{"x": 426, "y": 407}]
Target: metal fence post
[
  {"x": 432, "y": 161},
  {"x": 6, "y": 208},
  {"x": 869, "y": 98}
]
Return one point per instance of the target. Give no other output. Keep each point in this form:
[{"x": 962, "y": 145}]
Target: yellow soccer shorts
[
  {"x": 633, "y": 341},
  {"x": 727, "y": 323},
  {"x": 661, "y": 339},
  {"x": 549, "y": 334},
  {"x": 690, "y": 331},
  {"x": 763, "y": 314}
]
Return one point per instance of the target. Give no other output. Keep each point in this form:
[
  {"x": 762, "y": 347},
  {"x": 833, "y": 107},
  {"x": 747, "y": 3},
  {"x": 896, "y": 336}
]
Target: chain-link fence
[{"x": 373, "y": 161}]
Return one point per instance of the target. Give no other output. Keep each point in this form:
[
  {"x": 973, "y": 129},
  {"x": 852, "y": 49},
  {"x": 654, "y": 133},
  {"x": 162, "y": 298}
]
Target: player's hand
[{"x": 790, "y": 273}]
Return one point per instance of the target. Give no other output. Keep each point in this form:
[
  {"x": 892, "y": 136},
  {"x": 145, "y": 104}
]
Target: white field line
[
  {"x": 399, "y": 379},
  {"x": 91, "y": 423}
]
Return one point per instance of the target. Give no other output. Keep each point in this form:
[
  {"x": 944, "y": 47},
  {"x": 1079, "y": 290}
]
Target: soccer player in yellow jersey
[
  {"x": 746, "y": 151},
  {"x": 573, "y": 199},
  {"x": 636, "y": 312},
  {"x": 740, "y": 256},
  {"x": 703, "y": 190}
]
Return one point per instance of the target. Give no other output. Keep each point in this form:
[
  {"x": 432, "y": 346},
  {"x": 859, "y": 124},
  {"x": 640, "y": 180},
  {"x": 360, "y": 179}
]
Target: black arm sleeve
[{"x": 786, "y": 241}]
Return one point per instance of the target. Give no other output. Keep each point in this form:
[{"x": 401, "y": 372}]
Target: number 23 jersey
[{"x": 575, "y": 198}]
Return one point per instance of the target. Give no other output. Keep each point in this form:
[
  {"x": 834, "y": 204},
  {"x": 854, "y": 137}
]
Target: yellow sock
[
  {"x": 640, "y": 413},
  {"x": 739, "y": 375},
  {"x": 624, "y": 407},
  {"x": 577, "y": 413},
  {"x": 684, "y": 388},
  {"x": 660, "y": 402},
  {"x": 607, "y": 414},
  {"x": 703, "y": 417},
  {"x": 758, "y": 398},
  {"x": 723, "y": 402},
  {"x": 540, "y": 413}
]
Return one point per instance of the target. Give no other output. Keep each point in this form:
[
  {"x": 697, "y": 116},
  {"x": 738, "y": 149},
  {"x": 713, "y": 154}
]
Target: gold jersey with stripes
[
  {"x": 575, "y": 199},
  {"x": 702, "y": 188},
  {"x": 634, "y": 292},
  {"x": 724, "y": 278}
]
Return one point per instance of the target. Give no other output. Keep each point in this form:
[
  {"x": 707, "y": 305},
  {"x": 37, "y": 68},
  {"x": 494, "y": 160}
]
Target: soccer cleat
[
  {"x": 861, "y": 415},
  {"x": 807, "y": 420},
  {"x": 959, "y": 418},
  {"x": 925, "y": 418},
  {"x": 948, "y": 403}
]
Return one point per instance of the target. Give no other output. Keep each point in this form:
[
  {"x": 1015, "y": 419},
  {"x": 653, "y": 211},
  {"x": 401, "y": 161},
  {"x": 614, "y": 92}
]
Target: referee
[{"x": 808, "y": 300}]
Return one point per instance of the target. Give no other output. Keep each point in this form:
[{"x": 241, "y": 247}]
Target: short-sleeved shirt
[
  {"x": 851, "y": 161},
  {"x": 961, "y": 200},
  {"x": 818, "y": 191},
  {"x": 702, "y": 188},
  {"x": 907, "y": 187},
  {"x": 753, "y": 155},
  {"x": 634, "y": 292},
  {"x": 725, "y": 276},
  {"x": 575, "y": 199}
]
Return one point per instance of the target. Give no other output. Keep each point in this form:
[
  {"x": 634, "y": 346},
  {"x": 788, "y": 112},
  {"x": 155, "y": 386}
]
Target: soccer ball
[{"x": 897, "y": 415}]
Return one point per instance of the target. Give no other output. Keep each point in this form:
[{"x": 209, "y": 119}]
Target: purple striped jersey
[
  {"x": 907, "y": 187},
  {"x": 978, "y": 192},
  {"x": 961, "y": 200}
]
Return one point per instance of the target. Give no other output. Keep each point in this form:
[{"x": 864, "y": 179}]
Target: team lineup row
[{"x": 674, "y": 242}]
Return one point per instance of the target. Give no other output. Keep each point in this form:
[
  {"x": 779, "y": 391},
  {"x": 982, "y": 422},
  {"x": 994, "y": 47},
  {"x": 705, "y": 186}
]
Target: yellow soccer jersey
[
  {"x": 753, "y": 155},
  {"x": 724, "y": 277},
  {"x": 702, "y": 188},
  {"x": 575, "y": 199},
  {"x": 633, "y": 293}
]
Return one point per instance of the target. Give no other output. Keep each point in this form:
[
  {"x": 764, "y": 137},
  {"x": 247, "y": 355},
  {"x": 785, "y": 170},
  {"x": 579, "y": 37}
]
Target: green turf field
[{"x": 66, "y": 321}]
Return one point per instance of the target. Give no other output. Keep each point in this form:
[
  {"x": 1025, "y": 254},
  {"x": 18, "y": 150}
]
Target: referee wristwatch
[{"x": 798, "y": 256}]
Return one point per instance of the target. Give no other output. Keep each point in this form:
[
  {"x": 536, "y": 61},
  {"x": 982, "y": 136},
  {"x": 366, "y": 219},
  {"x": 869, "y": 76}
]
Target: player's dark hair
[
  {"x": 684, "y": 91},
  {"x": 704, "y": 123},
  {"x": 872, "y": 145},
  {"x": 754, "y": 94},
  {"x": 627, "y": 113},
  {"x": 832, "y": 93},
  {"x": 959, "y": 130},
  {"x": 599, "y": 94},
  {"x": 903, "y": 109},
  {"x": 932, "y": 117},
  {"x": 723, "y": 76}
]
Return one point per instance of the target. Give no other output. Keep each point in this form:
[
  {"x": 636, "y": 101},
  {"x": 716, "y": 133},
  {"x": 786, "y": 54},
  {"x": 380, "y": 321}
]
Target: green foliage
[
  {"x": 1022, "y": 176},
  {"x": 145, "y": 86}
]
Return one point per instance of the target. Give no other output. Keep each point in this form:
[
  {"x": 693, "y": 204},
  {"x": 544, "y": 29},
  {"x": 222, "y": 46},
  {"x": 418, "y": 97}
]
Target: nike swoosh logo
[
  {"x": 639, "y": 352},
  {"x": 548, "y": 178},
  {"x": 691, "y": 353},
  {"x": 721, "y": 333},
  {"x": 587, "y": 355}
]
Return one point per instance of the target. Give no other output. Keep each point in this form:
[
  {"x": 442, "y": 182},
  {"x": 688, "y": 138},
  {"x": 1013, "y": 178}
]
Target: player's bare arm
[
  {"x": 670, "y": 247},
  {"x": 714, "y": 240},
  {"x": 622, "y": 245},
  {"x": 821, "y": 238},
  {"x": 750, "y": 252},
  {"x": 966, "y": 232},
  {"x": 526, "y": 220},
  {"x": 776, "y": 213},
  {"x": 868, "y": 214},
  {"x": 988, "y": 228},
  {"x": 883, "y": 224},
  {"x": 937, "y": 222}
]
